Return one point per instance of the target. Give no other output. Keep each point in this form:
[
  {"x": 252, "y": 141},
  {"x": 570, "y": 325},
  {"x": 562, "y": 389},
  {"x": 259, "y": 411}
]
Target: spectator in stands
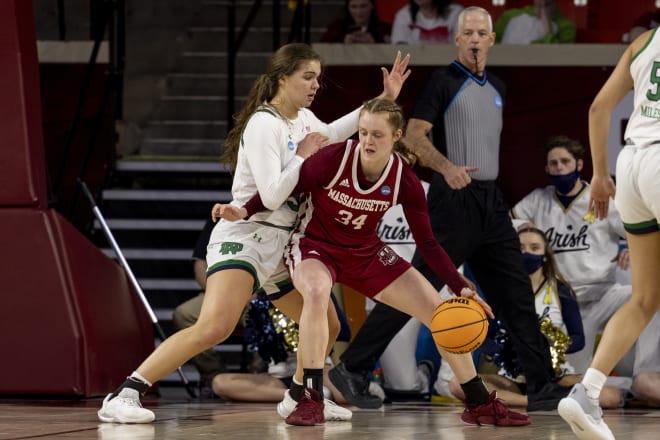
[
  {"x": 359, "y": 23},
  {"x": 646, "y": 21},
  {"x": 556, "y": 302},
  {"x": 542, "y": 22},
  {"x": 209, "y": 363},
  {"x": 426, "y": 21},
  {"x": 587, "y": 252}
]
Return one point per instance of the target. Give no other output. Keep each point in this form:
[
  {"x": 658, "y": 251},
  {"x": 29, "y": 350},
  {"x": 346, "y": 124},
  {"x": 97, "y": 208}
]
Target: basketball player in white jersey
[
  {"x": 638, "y": 202},
  {"x": 584, "y": 250}
]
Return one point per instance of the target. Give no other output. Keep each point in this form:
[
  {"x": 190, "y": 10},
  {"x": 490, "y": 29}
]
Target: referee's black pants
[{"x": 473, "y": 226}]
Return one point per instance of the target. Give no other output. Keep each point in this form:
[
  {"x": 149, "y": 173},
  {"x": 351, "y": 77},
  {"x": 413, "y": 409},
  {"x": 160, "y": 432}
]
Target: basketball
[{"x": 459, "y": 325}]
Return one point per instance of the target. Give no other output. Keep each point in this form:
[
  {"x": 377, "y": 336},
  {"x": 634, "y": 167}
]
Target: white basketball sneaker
[
  {"x": 125, "y": 408},
  {"x": 583, "y": 415},
  {"x": 331, "y": 411}
]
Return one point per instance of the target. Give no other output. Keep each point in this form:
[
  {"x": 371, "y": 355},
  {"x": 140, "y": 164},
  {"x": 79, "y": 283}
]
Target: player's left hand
[
  {"x": 470, "y": 293},
  {"x": 394, "y": 79},
  {"x": 601, "y": 191}
]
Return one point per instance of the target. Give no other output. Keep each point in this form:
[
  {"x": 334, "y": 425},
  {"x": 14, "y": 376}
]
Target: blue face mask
[
  {"x": 566, "y": 182},
  {"x": 532, "y": 262}
]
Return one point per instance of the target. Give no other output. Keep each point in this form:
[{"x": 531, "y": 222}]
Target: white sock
[
  {"x": 593, "y": 382},
  {"x": 138, "y": 376}
]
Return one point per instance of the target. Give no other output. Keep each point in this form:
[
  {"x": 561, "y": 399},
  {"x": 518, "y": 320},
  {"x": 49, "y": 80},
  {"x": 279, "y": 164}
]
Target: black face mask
[
  {"x": 532, "y": 262},
  {"x": 566, "y": 182}
]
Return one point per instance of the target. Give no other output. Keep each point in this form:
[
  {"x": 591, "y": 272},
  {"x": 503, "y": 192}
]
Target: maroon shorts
[{"x": 368, "y": 269}]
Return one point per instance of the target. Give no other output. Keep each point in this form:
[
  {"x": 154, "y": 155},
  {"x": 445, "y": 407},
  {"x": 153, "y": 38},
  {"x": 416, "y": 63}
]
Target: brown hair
[
  {"x": 284, "y": 62},
  {"x": 571, "y": 145},
  {"x": 396, "y": 121}
]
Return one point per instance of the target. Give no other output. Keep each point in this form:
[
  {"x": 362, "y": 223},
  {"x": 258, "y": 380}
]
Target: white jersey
[
  {"x": 267, "y": 160},
  {"x": 548, "y": 304},
  {"x": 642, "y": 129},
  {"x": 425, "y": 30},
  {"x": 584, "y": 248}
]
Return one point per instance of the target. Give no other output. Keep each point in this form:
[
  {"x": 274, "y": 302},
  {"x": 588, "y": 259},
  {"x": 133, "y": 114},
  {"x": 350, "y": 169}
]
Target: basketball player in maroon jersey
[{"x": 348, "y": 188}]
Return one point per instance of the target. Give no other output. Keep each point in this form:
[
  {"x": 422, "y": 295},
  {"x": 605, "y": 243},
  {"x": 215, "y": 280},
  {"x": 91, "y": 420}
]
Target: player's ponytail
[{"x": 284, "y": 62}]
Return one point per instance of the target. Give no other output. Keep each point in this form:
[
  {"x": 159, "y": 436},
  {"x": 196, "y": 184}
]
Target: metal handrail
[
  {"x": 111, "y": 17},
  {"x": 300, "y": 31}
]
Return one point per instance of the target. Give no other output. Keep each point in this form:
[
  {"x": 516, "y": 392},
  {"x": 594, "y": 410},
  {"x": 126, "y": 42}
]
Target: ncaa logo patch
[
  {"x": 498, "y": 101},
  {"x": 387, "y": 256},
  {"x": 385, "y": 190},
  {"x": 291, "y": 145}
]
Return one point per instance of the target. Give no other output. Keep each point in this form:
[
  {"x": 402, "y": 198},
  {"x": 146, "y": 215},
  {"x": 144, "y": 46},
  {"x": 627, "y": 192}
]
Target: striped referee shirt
[{"x": 466, "y": 113}]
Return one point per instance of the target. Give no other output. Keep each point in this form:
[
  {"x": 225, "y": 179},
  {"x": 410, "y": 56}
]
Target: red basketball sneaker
[
  {"x": 309, "y": 410},
  {"x": 493, "y": 412}
]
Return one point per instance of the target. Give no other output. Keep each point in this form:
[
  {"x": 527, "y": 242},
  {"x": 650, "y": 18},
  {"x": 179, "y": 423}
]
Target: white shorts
[
  {"x": 252, "y": 247},
  {"x": 638, "y": 188}
]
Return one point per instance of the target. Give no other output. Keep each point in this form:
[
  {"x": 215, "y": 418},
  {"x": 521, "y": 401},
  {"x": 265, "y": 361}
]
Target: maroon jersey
[{"x": 342, "y": 209}]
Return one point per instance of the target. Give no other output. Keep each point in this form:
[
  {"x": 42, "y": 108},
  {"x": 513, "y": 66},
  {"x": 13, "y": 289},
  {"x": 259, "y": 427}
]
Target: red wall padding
[
  {"x": 71, "y": 324},
  {"x": 22, "y": 169}
]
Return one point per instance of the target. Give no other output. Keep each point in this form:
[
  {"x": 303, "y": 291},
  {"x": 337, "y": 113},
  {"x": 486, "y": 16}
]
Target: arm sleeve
[
  {"x": 260, "y": 141},
  {"x": 416, "y": 212},
  {"x": 338, "y": 130},
  {"x": 570, "y": 311},
  {"x": 523, "y": 211},
  {"x": 313, "y": 173}
]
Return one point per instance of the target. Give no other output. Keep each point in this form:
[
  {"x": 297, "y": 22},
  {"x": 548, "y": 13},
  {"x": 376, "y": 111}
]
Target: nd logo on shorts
[{"x": 387, "y": 256}]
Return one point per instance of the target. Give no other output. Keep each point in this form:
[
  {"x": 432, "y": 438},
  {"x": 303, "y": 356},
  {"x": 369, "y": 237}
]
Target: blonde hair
[
  {"x": 396, "y": 121},
  {"x": 284, "y": 62}
]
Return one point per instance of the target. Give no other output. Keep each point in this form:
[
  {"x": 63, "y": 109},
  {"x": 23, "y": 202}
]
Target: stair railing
[
  {"x": 299, "y": 31},
  {"x": 110, "y": 15}
]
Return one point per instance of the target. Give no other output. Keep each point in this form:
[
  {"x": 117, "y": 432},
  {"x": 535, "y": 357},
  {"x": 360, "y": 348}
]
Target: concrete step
[
  {"x": 196, "y": 84},
  {"x": 215, "y": 12},
  {"x": 211, "y": 148},
  {"x": 173, "y": 171},
  {"x": 186, "y": 129},
  {"x": 199, "y": 107},
  {"x": 216, "y": 62},
  {"x": 215, "y": 38}
]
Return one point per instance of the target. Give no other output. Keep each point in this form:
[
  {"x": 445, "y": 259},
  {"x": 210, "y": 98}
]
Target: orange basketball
[{"x": 459, "y": 325}]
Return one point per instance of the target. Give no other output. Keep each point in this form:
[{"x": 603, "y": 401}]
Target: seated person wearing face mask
[{"x": 587, "y": 253}]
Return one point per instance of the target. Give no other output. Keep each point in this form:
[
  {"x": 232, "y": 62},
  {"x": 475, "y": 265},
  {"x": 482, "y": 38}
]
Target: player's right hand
[
  {"x": 228, "y": 212},
  {"x": 311, "y": 143}
]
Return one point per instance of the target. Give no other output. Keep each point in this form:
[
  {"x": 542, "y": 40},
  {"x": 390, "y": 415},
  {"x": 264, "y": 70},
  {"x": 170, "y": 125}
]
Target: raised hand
[
  {"x": 394, "y": 79},
  {"x": 228, "y": 212}
]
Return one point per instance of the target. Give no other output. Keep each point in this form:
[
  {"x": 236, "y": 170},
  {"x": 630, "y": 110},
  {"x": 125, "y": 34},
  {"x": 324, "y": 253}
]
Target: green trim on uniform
[
  {"x": 236, "y": 264},
  {"x": 642, "y": 227},
  {"x": 259, "y": 109},
  {"x": 644, "y": 47}
]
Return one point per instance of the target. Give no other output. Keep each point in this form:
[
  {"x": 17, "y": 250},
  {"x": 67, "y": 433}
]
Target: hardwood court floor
[{"x": 182, "y": 418}]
